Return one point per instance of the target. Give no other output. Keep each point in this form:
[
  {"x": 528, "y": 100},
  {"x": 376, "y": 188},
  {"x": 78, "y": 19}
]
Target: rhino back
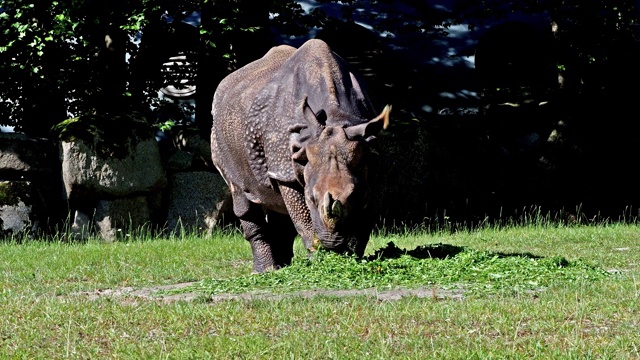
[{"x": 325, "y": 78}]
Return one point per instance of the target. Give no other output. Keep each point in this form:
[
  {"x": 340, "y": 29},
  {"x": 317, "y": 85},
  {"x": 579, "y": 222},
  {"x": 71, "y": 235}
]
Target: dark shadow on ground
[{"x": 432, "y": 251}]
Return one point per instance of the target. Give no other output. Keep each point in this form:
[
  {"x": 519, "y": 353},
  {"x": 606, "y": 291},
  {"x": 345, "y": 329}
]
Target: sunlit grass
[{"x": 533, "y": 291}]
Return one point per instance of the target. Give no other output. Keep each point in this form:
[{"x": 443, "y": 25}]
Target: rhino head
[{"x": 333, "y": 162}]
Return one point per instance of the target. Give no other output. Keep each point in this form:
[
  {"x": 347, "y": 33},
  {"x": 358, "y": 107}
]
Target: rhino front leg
[{"x": 296, "y": 204}]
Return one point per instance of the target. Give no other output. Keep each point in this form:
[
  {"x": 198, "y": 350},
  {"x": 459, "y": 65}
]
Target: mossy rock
[
  {"x": 108, "y": 135},
  {"x": 11, "y": 192}
]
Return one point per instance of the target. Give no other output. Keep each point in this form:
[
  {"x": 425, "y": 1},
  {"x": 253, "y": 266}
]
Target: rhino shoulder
[{"x": 267, "y": 142}]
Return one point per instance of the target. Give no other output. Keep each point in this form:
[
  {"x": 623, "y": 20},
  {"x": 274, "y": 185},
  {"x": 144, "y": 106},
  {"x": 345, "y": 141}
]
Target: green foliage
[
  {"x": 166, "y": 126},
  {"x": 51, "y": 52},
  {"x": 9, "y": 191},
  {"x": 477, "y": 272}
]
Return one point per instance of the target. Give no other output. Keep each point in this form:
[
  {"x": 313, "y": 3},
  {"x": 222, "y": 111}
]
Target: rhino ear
[
  {"x": 370, "y": 128},
  {"x": 316, "y": 121}
]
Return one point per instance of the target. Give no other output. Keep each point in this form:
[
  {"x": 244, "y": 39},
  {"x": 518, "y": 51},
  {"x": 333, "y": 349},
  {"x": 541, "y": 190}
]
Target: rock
[
  {"x": 197, "y": 200},
  {"x": 23, "y": 157},
  {"x": 86, "y": 173},
  {"x": 21, "y": 209},
  {"x": 201, "y": 148},
  {"x": 179, "y": 161},
  {"x": 120, "y": 217},
  {"x": 31, "y": 167},
  {"x": 112, "y": 171},
  {"x": 108, "y": 156},
  {"x": 191, "y": 141}
]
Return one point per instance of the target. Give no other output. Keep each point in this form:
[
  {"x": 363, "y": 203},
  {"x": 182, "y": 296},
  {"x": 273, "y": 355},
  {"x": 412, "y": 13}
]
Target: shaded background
[{"x": 500, "y": 109}]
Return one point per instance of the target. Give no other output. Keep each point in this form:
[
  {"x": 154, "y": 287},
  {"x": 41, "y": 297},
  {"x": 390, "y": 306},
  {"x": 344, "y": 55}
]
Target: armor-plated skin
[{"x": 291, "y": 135}]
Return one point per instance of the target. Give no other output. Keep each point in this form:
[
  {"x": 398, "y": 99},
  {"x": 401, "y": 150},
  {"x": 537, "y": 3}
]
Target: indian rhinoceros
[{"x": 292, "y": 136}]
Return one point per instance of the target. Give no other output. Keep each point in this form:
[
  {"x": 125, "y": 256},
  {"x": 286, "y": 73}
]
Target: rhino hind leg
[
  {"x": 257, "y": 236},
  {"x": 254, "y": 229}
]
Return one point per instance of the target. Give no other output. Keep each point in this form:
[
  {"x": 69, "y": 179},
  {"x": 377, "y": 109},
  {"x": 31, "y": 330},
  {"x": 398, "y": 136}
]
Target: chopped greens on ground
[{"x": 442, "y": 266}]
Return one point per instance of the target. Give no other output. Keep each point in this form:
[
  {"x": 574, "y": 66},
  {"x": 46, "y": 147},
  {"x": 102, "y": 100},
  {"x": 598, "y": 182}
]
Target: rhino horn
[
  {"x": 370, "y": 128},
  {"x": 332, "y": 209},
  {"x": 336, "y": 209}
]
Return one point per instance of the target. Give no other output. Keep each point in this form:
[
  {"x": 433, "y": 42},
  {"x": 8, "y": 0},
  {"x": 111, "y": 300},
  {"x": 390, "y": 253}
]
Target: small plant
[{"x": 165, "y": 126}]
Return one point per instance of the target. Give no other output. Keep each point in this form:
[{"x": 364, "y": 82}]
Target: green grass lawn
[{"x": 527, "y": 292}]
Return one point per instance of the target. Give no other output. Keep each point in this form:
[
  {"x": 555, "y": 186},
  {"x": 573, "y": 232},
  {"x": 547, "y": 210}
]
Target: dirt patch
[
  {"x": 165, "y": 294},
  {"x": 160, "y": 293}
]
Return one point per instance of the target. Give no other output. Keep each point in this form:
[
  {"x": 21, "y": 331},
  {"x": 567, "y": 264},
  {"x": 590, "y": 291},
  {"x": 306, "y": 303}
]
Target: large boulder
[
  {"x": 111, "y": 169},
  {"x": 22, "y": 156},
  {"x": 109, "y": 156},
  {"x": 30, "y": 191},
  {"x": 87, "y": 173},
  {"x": 117, "y": 218}
]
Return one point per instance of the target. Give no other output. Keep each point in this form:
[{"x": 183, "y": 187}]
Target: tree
[{"x": 61, "y": 57}]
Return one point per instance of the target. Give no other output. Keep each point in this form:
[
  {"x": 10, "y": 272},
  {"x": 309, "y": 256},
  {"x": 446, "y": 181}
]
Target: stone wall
[
  {"x": 30, "y": 196},
  {"x": 76, "y": 187}
]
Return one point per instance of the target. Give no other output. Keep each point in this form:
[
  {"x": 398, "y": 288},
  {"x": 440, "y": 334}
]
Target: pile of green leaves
[{"x": 476, "y": 272}]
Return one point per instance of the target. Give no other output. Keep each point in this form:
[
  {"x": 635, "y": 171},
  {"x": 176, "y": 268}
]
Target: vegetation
[
  {"x": 78, "y": 57},
  {"x": 436, "y": 266},
  {"x": 585, "y": 302},
  {"x": 8, "y": 192},
  {"x": 528, "y": 291}
]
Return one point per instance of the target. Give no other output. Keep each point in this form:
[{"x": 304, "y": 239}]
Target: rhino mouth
[{"x": 338, "y": 242}]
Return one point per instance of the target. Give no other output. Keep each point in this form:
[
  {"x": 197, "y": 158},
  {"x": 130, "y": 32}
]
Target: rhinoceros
[{"x": 293, "y": 136}]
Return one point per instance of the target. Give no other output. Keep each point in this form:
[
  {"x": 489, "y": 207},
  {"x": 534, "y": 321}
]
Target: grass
[{"x": 529, "y": 292}]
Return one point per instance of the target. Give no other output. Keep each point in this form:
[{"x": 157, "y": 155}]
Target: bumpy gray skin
[{"x": 291, "y": 136}]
